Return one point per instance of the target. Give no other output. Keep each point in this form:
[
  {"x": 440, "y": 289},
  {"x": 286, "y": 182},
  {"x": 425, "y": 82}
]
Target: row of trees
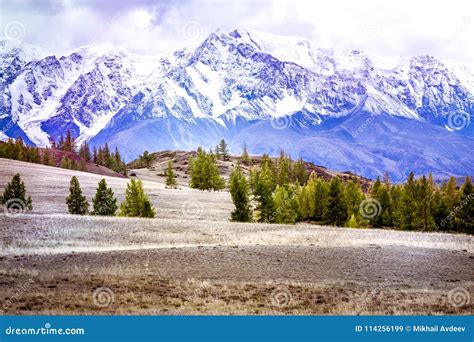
[
  {"x": 103, "y": 156},
  {"x": 18, "y": 150},
  {"x": 136, "y": 203},
  {"x": 277, "y": 193}
]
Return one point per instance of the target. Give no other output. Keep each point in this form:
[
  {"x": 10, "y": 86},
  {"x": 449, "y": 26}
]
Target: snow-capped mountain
[{"x": 340, "y": 109}]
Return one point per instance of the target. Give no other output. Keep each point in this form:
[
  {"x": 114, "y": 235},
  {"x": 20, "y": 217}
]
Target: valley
[{"x": 191, "y": 260}]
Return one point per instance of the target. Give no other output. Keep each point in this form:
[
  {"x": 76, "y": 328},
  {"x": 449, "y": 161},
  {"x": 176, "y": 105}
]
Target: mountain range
[{"x": 340, "y": 109}]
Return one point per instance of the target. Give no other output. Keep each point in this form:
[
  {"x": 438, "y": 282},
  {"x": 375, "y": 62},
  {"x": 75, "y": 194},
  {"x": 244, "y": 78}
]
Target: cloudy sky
[{"x": 385, "y": 28}]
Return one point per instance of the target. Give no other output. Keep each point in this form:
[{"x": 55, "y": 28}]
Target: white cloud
[{"x": 403, "y": 27}]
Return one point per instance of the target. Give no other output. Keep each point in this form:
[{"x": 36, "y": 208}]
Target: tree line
[
  {"x": 18, "y": 150},
  {"x": 282, "y": 192}
]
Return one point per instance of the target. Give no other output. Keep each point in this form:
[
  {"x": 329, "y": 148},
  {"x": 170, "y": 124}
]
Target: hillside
[
  {"x": 180, "y": 164},
  {"x": 58, "y": 155}
]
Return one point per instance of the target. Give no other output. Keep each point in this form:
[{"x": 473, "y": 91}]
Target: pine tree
[
  {"x": 285, "y": 204},
  {"x": 48, "y": 158},
  {"x": 104, "y": 202},
  {"x": 423, "y": 219},
  {"x": 239, "y": 191},
  {"x": 14, "y": 196},
  {"x": 321, "y": 196},
  {"x": 263, "y": 191},
  {"x": 245, "y": 156},
  {"x": 170, "y": 176},
  {"x": 67, "y": 163},
  {"x": 95, "y": 157},
  {"x": 407, "y": 204},
  {"x": 307, "y": 201},
  {"x": 76, "y": 202},
  {"x": 336, "y": 211},
  {"x": 353, "y": 196},
  {"x": 465, "y": 213},
  {"x": 223, "y": 150},
  {"x": 440, "y": 210},
  {"x": 300, "y": 174},
  {"x": 283, "y": 169},
  {"x": 136, "y": 203},
  {"x": 84, "y": 152},
  {"x": 146, "y": 159},
  {"x": 69, "y": 145},
  {"x": 205, "y": 172}
]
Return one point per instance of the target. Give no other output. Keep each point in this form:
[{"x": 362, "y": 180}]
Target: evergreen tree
[
  {"x": 353, "y": 196},
  {"x": 67, "y": 163},
  {"x": 223, "y": 150},
  {"x": 205, "y": 172},
  {"x": 136, "y": 203},
  {"x": 285, "y": 202},
  {"x": 381, "y": 193},
  {"x": 76, "y": 202},
  {"x": 48, "y": 158},
  {"x": 283, "y": 169},
  {"x": 104, "y": 202},
  {"x": 170, "y": 176},
  {"x": 84, "y": 151},
  {"x": 264, "y": 187},
  {"x": 245, "y": 156},
  {"x": 321, "y": 196},
  {"x": 95, "y": 157},
  {"x": 423, "y": 219},
  {"x": 239, "y": 191},
  {"x": 69, "y": 145},
  {"x": 440, "y": 210},
  {"x": 146, "y": 159},
  {"x": 307, "y": 201},
  {"x": 407, "y": 204},
  {"x": 465, "y": 212},
  {"x": 14, "y": 196},
  {"x": 300, "y": 174},
  {"x": 335, "y": 212}
]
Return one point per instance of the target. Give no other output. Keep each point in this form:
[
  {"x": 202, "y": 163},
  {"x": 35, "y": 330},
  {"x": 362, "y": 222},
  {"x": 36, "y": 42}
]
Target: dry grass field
[{"x": 192, "y": 260}]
